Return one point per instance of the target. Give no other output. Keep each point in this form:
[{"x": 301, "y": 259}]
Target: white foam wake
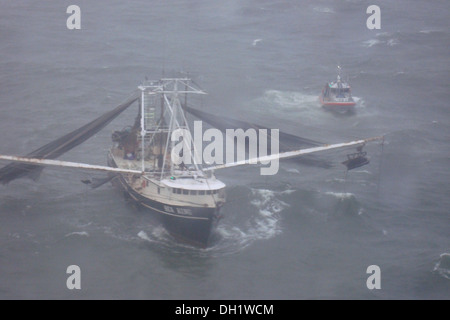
[
  {"x": 158, "y": 233},
  {"x": 370, "y": 43},
  {"x": 78, "y": 233},
  {"x": 442, "y": 267},
  {"x": 428, "y": 31},
  {"x": 341, "y": 195},
  {"x": 267, "y": 223},
  {"x": 264, "y": 224},
  {"x": 392, "y": 42},
  {"x": 255, "y": 42},
  {"x": 143, "y": 235},
  {"x": 362, "y": 171},
  {"x": 381, "y": 38},
  {"x": 288, "y": 99}
]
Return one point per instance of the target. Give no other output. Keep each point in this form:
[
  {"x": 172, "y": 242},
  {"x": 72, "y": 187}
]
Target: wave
[
  {"x": 338, "y": 205},
  {"x": 157, "y": 234},
  {"x": 78, "y": 233},
  {"x": 266, "y": 223},
  {"x": 362, "y": 171},
  {"x": 385, "y": 38},
  {"x": 323, "y": 9},
  {"x": 255, "y": 42},
  {"x": 392, "y": 42},
  {"x": 337, "y": 180},
  {"x": 442, "y": 267},
  {"x": 288, "y": 191},
  {"x": 421, "y": 37},
  {"x": 261, "y": 221},
  {"x": 371, "y": 43},
  {"x": 288, "y": 99},
  {"x": 289, "y": 102},
  {"x": 360, "y": 102},
  {"x": 428, "y": 31},
  {"x": 289, "y": 105},
  {"x": 341, "y": 195},
  {"x": 143, "y": 235},
  {"x": 399, "y": 73}
]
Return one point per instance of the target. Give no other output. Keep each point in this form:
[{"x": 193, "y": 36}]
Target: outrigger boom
[
  {"x": 283, "y": 155},
  {"x": 293, "y": 154},
  {"x": 67, "y": 164}
]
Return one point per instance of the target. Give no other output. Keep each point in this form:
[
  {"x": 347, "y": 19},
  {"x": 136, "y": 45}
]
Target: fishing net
[{"x": 62, "y": 145}]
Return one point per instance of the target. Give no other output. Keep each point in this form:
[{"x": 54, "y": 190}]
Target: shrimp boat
[
  {"x": 186, "y": 197},
  {"x": 337, "y": 96}
]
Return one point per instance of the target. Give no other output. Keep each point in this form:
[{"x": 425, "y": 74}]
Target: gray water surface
[{"x": 309, "y": 232}]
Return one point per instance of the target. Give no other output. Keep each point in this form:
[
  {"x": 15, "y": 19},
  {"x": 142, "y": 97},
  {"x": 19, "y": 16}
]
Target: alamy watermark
[
  {"x": 254, "y": 142},
  {"x": 374, "y": 280},
  {"x": 374, "y": 21},
  {"x": 74, "y": 280},
  {"x": 74, "y": 20}
]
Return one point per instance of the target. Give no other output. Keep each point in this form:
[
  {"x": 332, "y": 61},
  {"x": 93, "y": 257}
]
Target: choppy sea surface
[{"x": 309, "y": 232}]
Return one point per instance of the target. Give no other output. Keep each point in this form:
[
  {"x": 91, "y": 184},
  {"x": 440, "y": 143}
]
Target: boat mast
[
  {"x": 142, "y": 127},
  {"x": 171, "y": 96},
  {"x": 169, "y": 132},
  {"x": 169, "y": 91},
  {"x": 147, "y": 113},
  {"x": 173, "y": 121}
]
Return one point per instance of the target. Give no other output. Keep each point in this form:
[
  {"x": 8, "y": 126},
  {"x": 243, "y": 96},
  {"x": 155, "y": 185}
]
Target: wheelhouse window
[
  {"x": 185, "y": 191},
  {"x": 193, "y": 192},
  {"x": 201, "y": 192}
]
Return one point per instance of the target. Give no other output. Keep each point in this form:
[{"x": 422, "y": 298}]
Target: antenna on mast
[
  {"x": 339, "y": 73},
  {"x": 164, "y": 53}
]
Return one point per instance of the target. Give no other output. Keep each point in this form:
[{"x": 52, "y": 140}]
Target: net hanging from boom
[
  {"x": 62, "y": 145},
  {"x": 287, "y": 141}
]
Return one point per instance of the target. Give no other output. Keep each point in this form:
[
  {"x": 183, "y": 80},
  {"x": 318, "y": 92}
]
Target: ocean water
[{"x": 309, "y": 232}]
